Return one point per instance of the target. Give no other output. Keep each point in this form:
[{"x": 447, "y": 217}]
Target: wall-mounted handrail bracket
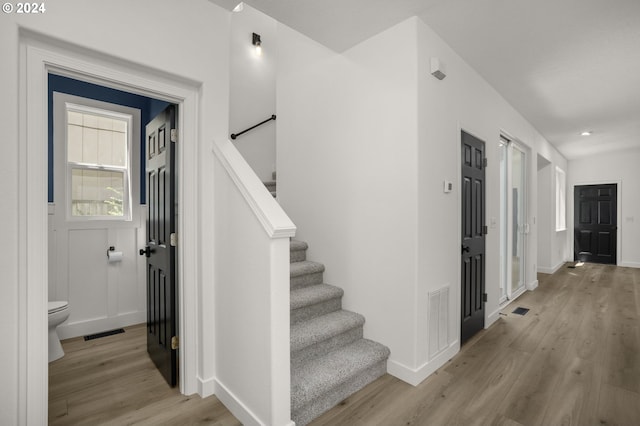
[{"x": 235, "y": 135}]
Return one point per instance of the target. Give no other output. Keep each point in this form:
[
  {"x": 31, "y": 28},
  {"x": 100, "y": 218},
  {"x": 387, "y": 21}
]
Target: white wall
[
  {"x": 365, "y": 140},
  {"x": 555, "y": 243},
  {"x": 187, "y": 43},
  {"x": 545, "y": 207},
  {"x": 462, "y": 101},
  {"x": 622, "y": 168},
  {"x": 347, "y": 173},
  {"x": 101, "y": 295},
  {"x": 252, "y": 92}
]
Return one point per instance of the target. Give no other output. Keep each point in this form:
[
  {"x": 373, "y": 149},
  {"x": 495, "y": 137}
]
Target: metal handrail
[{"x": 235, "y": 135}]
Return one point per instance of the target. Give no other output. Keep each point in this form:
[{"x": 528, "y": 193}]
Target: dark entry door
[
  {"x": 160, "y": 249},
  {"x": 473, "y": 237},
  {"x": 595, "y": 223}
]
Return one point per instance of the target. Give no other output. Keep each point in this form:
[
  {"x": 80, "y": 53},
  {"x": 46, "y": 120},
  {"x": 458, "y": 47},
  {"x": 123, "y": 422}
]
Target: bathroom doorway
[
  {"x": 97, "y": 204},
  {"x": 99, "y": 223},
  {"x": 38, "y": 58}
]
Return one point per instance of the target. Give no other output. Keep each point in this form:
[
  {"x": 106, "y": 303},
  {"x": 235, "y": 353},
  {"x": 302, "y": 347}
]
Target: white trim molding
[
  {"x": 274, "y": 220},
  {"x": 415, "y": 376},
  {"x": 532, "y": 285},
  {"x": 239, "y": 410},
  {"x": 552, "y": 270}
]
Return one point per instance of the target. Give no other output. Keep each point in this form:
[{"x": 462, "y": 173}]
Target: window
[
  {"x": 561, "y": 200},
  {"x": 98, "y": 160}
]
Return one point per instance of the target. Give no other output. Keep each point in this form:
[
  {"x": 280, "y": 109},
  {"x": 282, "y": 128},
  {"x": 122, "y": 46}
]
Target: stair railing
[{"x": 235, "y": 135}]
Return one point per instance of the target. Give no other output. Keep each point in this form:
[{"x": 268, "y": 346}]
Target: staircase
[
  {"x": 330, "y": 360},
  {"x": 271, "y": 187}
]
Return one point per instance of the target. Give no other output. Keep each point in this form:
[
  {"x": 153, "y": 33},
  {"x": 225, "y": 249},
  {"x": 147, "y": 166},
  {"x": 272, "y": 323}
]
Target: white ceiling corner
[{"x": 567, "y": 66}]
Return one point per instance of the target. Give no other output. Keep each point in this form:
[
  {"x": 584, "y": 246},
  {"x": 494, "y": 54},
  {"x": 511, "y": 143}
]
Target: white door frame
[{"x": 38, "y": 57}]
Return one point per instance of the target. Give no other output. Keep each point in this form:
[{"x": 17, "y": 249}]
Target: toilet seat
[{"x": 57, "y": 306}]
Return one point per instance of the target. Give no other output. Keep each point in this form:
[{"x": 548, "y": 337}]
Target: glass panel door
[
  {"x": 504, "y": 226},
  {"x": 513, "y": 218},
  {"x": 518, "y": 217}
]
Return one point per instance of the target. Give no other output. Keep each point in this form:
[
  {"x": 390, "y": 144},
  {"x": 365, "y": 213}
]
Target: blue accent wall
[{"x": 148, "y": 107}]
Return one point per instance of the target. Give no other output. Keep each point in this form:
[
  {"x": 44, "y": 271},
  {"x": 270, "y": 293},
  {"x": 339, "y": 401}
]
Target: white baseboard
[
  {"x": 493, "y": 317},
  {"x": 552, "y": 270},
  {"x": 415, "y": 376},
  {"x": 233, "y": 404},
  {"x": 237, "y": 407},
  {"x": 206, "y": 387},
  {"x": 630, "y": 264},
  {"x": 83, "y": 328},
  {"x": 532, "y": 286}
]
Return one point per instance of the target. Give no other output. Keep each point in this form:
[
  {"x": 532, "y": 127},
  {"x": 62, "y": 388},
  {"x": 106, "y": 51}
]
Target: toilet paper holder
[{"x": 114, "y": 256}]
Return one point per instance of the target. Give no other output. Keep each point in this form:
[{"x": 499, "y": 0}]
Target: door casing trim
[{"x": 38, "y": 56}]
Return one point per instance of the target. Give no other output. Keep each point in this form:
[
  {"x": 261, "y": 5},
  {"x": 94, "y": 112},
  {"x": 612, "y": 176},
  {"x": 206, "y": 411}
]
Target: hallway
[{"x": 573, "y": 359}]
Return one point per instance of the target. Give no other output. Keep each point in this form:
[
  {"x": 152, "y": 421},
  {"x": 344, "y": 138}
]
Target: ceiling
[{"x": 566, "y": 65}]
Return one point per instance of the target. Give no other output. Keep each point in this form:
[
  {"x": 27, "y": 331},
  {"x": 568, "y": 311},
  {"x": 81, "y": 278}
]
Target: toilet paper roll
[{"x": 114, "y": 256}]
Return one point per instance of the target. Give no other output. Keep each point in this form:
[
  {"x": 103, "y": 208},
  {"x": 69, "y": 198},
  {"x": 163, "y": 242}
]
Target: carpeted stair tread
[
  {"x": 297, "y": 251},
  {"x": 296, "y": 245},
  {"x": 307, "y": 296},
  {"x": 305, "y": 267},
  {"x": 322, "y": 328},
  {"x": 312, "y": 379}
]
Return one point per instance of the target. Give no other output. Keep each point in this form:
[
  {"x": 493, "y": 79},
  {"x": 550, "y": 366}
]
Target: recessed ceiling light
[
  {"x": 586, "y": 133},
  {"x": 239, "y": 7}
]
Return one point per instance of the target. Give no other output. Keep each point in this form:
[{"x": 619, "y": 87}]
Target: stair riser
[
  {"x": 297, "y": 256},
  {"x": 331, "y": 397},
  {"x": 306, "y": 280},
  {"x": 314, "y": 311},
  {"x": 323, "y": 347}
]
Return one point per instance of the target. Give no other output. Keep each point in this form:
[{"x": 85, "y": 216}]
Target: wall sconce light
[
  {"x": 436, "y": 69},
  {"x": 257, "y": 43}
]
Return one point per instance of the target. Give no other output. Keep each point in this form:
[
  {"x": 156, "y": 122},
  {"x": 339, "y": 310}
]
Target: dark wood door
[
  {"x": 473, "y": 237},
  {"x": 160, "y": 249},
  {"x": 595, "y": 223}
]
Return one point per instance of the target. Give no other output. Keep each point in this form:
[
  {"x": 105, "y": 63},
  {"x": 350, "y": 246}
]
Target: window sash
[{"x": 111, "y": 202}]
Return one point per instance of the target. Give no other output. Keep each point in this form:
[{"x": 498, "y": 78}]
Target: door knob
[
  {"x": 465, "y": 249},
  {"x": 146, "y": 251}
]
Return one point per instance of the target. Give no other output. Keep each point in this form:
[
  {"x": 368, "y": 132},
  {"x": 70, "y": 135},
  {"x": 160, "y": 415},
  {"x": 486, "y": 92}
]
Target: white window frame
[
  {"x": 561, "y": 200},
  {"x": 70, "y": 165}
]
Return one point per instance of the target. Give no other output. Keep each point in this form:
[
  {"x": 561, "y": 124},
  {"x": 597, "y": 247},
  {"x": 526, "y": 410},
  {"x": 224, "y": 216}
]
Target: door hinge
[
  {"x": 485, "y": 229},
  {"x": 174, "y": 135},
  {"x": 173, "y": 240},
  {"x": 484, "y": 162},
  {"x": 175, "y": 344},
  {"x": 484, "y": 297}
]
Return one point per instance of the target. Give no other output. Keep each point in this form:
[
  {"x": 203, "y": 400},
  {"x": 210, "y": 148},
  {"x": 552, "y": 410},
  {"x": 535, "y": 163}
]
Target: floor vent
[
  {"x": 520, "y": 311},
  {"x": 104, "y": 334}
]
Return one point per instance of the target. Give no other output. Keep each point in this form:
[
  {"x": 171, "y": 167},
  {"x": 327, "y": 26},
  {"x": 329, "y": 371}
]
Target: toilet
[{"x": 58, "y": 313}]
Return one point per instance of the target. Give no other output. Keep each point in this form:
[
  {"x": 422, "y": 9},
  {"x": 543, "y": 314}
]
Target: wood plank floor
[
  {"x": 112, "y": 381},
  {"x": 573, "y": 359}
]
